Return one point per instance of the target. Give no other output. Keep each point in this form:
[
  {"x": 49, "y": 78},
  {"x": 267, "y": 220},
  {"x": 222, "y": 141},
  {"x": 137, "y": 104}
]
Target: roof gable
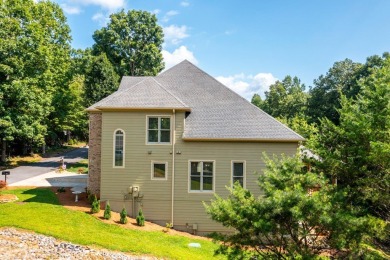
[
  {"x": 217, "y": 112},
  {"x": 147, "y": 93}
]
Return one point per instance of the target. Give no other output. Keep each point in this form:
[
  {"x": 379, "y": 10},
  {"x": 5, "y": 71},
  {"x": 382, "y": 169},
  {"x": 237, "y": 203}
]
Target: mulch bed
[{"x": 67, "y": 199}]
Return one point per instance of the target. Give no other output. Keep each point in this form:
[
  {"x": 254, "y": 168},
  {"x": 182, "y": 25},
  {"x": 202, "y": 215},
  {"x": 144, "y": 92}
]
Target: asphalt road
[{"x": 46, "y": 165}]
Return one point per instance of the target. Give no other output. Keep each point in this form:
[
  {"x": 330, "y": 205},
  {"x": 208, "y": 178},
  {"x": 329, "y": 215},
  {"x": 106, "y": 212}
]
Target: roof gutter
[
  {"x": 99, "y": 109},
  {"x": 244, "y": 140}
]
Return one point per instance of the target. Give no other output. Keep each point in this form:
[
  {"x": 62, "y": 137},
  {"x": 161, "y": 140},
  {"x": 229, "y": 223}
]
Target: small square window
[{"x": 159, "y": 170}]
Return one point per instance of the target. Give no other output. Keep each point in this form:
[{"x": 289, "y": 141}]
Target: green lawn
[
  {"x": 41, "y": 212},
  {"x": 76, "y": 167}
]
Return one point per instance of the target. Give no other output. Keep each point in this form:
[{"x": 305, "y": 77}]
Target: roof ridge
[{"x": 166, "y": 90}]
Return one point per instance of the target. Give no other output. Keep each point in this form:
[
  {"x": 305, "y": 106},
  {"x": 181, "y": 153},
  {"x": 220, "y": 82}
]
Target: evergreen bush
[
  {"x": 107, "y": 211},
  {"x": 140, "y": 218},
  {"x": 123, "y": 214},
  {"x": 95, "y": 205}
]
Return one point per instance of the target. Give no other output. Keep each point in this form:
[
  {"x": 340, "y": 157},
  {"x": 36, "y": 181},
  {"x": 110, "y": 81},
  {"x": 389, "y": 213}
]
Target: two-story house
[{"x": 169, "y": 142}]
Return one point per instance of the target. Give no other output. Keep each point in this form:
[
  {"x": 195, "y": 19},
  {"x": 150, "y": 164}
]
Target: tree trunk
[
  {"x": 43, "y": 148},
  {"x": 3, "y": 151}
]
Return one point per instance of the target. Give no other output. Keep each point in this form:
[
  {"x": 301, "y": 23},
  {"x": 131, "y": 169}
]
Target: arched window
[{"x": 119, "y": 149}]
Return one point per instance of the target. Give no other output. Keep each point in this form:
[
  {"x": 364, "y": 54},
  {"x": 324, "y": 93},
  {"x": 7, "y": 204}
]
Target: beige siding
[{"x": 156, "y": 201}]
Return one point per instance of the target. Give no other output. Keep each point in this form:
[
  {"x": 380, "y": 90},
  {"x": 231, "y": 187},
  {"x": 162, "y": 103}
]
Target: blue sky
[{"x": 248, "y": 45}]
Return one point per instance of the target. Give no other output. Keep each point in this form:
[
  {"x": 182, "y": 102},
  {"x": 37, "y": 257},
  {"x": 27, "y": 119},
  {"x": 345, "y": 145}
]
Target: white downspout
[{"x": 173, "y": 164}]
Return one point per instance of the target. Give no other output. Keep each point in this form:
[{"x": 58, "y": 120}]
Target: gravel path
[{"x": 17, "y": 244}]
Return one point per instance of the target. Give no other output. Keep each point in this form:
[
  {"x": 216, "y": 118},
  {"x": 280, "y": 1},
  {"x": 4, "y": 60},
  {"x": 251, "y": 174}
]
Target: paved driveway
[{"x": 43, "y": 173}]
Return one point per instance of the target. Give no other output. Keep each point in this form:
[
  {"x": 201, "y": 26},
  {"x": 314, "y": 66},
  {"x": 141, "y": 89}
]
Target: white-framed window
[
  {"x": 119, "y": 149},
  {"x": 238, "y": 172},
  {"x": 201, "y": 176},
  {"x": 159, "y": 170},
  {"x": 158, "y": 129}
]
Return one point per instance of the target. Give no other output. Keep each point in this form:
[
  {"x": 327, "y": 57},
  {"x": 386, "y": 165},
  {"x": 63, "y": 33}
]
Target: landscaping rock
[{"x": 17, "y": 244}]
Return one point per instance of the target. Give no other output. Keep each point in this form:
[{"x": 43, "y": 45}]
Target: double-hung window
[
  {"x": 159, "y": 130},
  {"x": 238, "y": 173},
  {"x": 119, "y": 151},
  {"x": 202, "y": 176}
]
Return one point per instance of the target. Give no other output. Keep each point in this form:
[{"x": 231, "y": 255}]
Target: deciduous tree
[
  {"x": 286, "y": 98},
  {"x": 34, "y": 59},
  {"x": 100, "y": 80},
  {"x": 132, "y": 42}
]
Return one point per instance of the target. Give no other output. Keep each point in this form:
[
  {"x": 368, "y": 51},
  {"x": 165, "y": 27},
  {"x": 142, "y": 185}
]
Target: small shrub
[
  {"x": 123, "y": 214},
  {"x": 3, "y": 184},
  {"x": 91, "y": 198},
  {"x": 168, "y": 226},
  {"x": 107, "y": 211},
  {"x": 140, "y": 218},
  {"x": 95, "y": 205}
]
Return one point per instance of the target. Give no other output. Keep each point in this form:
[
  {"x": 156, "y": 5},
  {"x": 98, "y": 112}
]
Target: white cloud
[
  {"x": 105, "y": 4},
  {"x": 178, "y": 55},
  {"x": 100, "y": 18},
  {"x": 70, "y": 9},
  {"x": 169, "y": 15},
  {"x": 156, "y": 11},
  {"x": 248, "y": 85},
  {"x": 185, "y": 3},
  {"x": 175, "y": 34}
]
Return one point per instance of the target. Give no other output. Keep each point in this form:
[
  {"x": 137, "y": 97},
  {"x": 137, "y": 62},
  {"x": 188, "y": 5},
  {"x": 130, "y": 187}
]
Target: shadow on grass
[{"x": 41, "y": 195}]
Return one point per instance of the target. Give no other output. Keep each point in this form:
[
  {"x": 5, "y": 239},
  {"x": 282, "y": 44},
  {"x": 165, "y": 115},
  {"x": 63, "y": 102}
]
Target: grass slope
[{"x": 41, "y": 212}]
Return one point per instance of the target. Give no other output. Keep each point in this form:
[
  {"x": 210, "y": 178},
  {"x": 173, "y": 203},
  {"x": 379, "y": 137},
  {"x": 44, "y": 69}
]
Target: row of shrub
[{"x": 107, "y": 212}]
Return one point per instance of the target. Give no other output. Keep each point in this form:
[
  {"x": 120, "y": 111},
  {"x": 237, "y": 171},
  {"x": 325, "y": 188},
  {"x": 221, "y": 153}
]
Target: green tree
[
  {"x": 34, "y": 59},
  {"x": 123, "y": 216},
  {"x": 298, "y": 215},
  {"x": 100, "y": 80},
  {"x": 107, "y": 211},
  {"x": 80, "y": 61},
  {"x": 356, "y": 152},
  {"x": 256, "y": 100},
  {"x": 132, "y": 42},
  {"x": 342, "y": 79},
  {"x": 69, "y": 112},
  {"x": 299, "y": 124},
  {"x": 325, "y": 95},
  {"x": 95, "y": 208},
  {"x": 286, "y": 98}
]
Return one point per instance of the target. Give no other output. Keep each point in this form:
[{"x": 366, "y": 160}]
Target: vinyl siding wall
[{"x": 156, "y": 200}]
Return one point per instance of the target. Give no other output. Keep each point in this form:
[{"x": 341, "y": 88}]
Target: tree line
[
  {"x": 333, "y": 198},
  {"x": 45, "y": 85}
]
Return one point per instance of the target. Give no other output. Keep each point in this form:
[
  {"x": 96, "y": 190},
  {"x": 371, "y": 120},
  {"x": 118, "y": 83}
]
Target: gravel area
[{"x": 17, "y": 244}]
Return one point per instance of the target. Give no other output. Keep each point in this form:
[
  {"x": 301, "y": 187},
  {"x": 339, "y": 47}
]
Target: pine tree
[
  {"x": 95, "y": 205},
  {"x": 107, "y": 211},
  {"x": 123, "y": 215},
  {"x": 140, "y": 218}
]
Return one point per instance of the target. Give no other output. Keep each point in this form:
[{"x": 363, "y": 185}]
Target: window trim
[
  {"x": 232, "y": 169},
  {"x": 152, "y": 171},
  {"x": 159, "y": 130},
  {"x": 124, "y": 148},
  {"x": 189, "y": 177}
]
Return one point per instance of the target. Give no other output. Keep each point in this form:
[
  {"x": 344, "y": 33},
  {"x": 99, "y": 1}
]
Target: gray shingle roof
[
  {"x": 144, "y": 92},
  {"x": 217, "y": 113}
]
